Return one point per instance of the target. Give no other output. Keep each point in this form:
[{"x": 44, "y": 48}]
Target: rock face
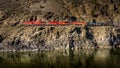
[{"x": 14, "y": 36}]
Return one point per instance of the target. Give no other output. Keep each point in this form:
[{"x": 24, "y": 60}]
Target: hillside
[{"x": 14, "y": 36}]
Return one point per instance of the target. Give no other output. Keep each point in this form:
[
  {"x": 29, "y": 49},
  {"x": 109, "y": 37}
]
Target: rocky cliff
[{"x": 14, "y": 36}]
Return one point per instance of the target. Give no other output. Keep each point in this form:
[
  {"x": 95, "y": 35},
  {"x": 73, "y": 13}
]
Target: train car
[
  {"x": 91, "y": 23},
  {"x": 58, "y": 23},
  {"x": 96, "y": 24},
  {"x": 79, "y": 23},
  {"x": 39, "y": 22},
  {"x": 63, "y": 23},
  {"x": 53, "y": 23}
]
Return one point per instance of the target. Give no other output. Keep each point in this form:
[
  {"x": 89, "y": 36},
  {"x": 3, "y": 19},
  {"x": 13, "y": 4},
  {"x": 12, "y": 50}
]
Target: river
[{"x": 91, "y": 58}]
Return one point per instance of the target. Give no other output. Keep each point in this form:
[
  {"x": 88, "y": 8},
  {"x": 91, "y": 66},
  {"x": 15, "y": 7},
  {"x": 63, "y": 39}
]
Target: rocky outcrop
[
  {"x": 14, "y": 36},
  {"x": 59, "y": 37}
]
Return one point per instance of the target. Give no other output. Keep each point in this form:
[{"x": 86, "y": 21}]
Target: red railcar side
[
  {"x": 37, "y": 22},
  {"x": 53, "y": 23},
  {"x": 79, "y": 23}
]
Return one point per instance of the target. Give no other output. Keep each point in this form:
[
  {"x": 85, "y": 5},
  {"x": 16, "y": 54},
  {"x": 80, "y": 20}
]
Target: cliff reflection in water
[{"x": 58, "y": 59}]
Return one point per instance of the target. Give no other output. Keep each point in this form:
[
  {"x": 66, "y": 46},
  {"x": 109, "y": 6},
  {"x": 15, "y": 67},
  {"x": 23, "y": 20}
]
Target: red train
[{"x": 53, "y": 23}]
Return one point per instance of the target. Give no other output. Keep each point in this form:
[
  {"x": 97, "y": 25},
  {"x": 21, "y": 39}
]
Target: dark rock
[
  {"x": 32, "y": 18},
  {"x": 3, "y": 15},
  {"x": 41, "y": 28},
  {"x": 49, "y": 15},
  {"x": 89, "y": 35},
  {"x": 71, "y": 43},
  {"x": 114, "y": 41},
  {"x": 71, "y": 19},
  {"x": 1, "y": 39},
  {"x": 15, "y": 24}
]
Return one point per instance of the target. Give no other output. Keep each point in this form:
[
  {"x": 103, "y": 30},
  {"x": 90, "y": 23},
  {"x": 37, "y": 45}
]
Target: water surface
[{"x": 99, "y": 58}]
